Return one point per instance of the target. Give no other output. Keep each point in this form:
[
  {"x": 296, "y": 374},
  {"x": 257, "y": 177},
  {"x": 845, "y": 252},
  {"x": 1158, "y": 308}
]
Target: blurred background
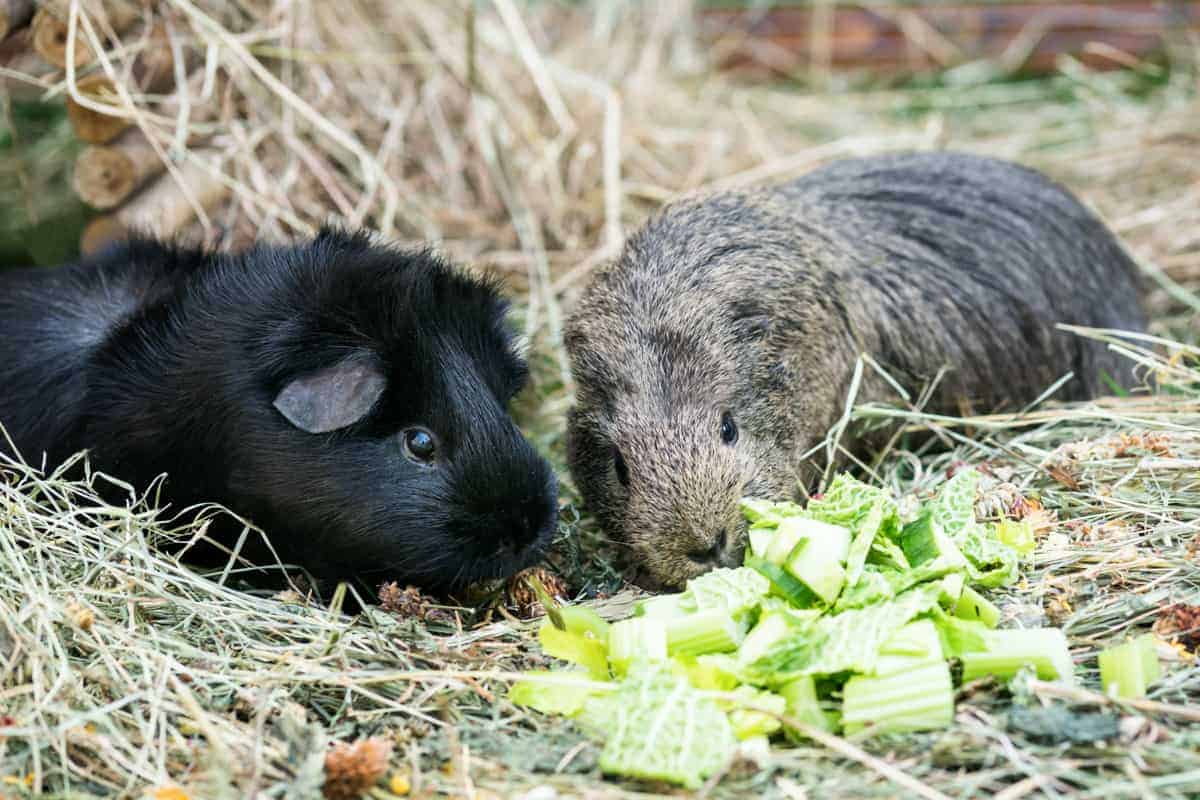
[{"x": 529, "y": 136}]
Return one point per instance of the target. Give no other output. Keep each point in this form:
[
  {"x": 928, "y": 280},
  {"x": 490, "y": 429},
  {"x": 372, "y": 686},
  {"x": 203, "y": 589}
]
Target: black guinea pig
[{"x": 347, "y": 397}]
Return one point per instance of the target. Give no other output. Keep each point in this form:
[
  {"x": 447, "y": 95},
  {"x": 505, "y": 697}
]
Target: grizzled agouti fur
[
  {"x": 347, "y": 397},
  {"x": 713, "y": 357}
]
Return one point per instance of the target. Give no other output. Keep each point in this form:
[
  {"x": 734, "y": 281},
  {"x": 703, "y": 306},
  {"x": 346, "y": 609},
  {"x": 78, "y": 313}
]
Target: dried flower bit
[
  {"x": 406, "y": 602},
  {"x": 522, "y": 596},
  {"x": 352, "y": 769},
  {"x": 1180, "y": 622}
]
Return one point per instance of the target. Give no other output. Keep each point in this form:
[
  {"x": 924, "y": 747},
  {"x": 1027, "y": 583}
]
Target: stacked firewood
[{"x": 134, "y": 105}]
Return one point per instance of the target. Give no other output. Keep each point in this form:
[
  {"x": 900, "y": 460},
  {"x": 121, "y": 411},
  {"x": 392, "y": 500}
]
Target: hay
[{"x": 531, "y": 141}]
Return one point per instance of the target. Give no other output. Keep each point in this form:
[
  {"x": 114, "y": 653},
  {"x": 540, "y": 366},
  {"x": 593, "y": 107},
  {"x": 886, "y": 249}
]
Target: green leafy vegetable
[
  {"x": 658, "y": 727},
  {"x": 734, "y": 591}
]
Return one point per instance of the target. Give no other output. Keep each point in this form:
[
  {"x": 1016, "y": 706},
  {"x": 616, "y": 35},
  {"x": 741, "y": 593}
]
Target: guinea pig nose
[{"x": 713, "y": 554}]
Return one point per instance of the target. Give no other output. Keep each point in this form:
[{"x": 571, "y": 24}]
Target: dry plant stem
[
  {"x": 1189, "y": 713},
  {"x": 855, "y": 753},
  {"x": 13, "y": 15},
  {"x": 105, "y": 175}
]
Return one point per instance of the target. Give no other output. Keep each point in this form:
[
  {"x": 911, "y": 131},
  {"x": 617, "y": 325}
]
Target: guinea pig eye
[
  {"x": 729, "y": 431},
  {"x": 419, "y": 445},
  {"x": 620, "y": 467}
]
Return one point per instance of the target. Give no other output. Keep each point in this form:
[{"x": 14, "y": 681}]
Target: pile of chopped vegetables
[{"x": 847, "y": 617}]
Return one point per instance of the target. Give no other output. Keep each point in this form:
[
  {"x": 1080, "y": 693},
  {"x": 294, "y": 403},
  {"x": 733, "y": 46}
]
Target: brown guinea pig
[{"x": 713, "y": 357}]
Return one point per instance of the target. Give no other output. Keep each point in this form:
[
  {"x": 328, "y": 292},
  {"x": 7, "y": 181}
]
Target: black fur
[{"x": 167, "y": 360}]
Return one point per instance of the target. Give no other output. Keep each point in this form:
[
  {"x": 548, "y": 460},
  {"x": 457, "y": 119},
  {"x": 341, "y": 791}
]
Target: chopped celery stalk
[
  {"x": 973, "y": 605},
  {"x": 1007, "y": 651},
  {"x": 803, "y": 705},
  {"x": 578, "y": 648},
  {"x": 581, "y": 619},
  {"x": 661, "y": 606},
  {"x": 636, "y": 638},
  {"x": 923, "y": 540},
  {"x": 760, "y": 541},
  {"x": 959, "y": 636},
  {"x": 1017, "y": 534},
  {"x": 910, "y": 647},
  {"x": 816, "y": 563},
  {"x": 921, "y": 698},
  {"x": 784, "y": 583},
  {"x": 703, "y": 632},
  {"x": 745, "y": 716},
  {"x": 1128, "y": 669},
  {"x": 734, "y": 591},
  {"x": 952, "y": 589},
  {"x": 917, "y": 638},
  {"x": 770, "y": 629},
  {"x": 564, "y": 693},
  {"x": 1150, "y": 663}
]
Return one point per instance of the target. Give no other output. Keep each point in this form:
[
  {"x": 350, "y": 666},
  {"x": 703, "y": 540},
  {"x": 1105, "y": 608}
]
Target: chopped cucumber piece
[
  {"x": 783, "y": 583},
  {"x": 817, "y": 570},
  {"x": 917, "y": 699},
  {"x": 636, "y": 639},
  {"x": 1126, "y": 670},
  {"x": 974, "y": 606},
  {"x": 1006, "y": 652},
  {"x": 703, "y": 632},
  {"x": 924, "y": 542},
  {"x": 760, "y": 541}
]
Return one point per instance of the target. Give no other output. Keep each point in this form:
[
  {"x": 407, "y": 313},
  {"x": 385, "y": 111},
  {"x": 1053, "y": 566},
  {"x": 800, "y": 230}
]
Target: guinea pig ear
[{"x": 332, "y": 398}]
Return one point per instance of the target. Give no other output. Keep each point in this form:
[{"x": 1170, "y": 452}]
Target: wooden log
[
  {"x": 50, "y": 29},
  {"x": 152, "y": 71},
  {"x": 105, "y": 175},
  {"x": 13, "y": 15},
  {"x": 16, "y": 55},
  {"x": 95, "y": 127},
  {"x": 161, "y": 209}
]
